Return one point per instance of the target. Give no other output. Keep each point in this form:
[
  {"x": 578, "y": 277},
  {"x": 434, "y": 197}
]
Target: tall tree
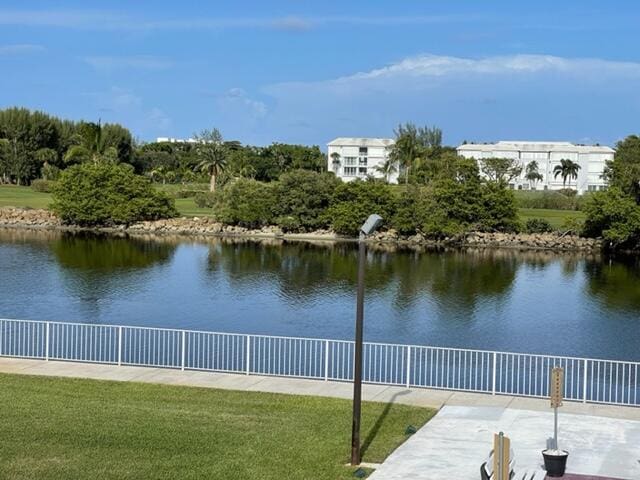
[
  {"x": 500, "y": 170},
  {"x": 91, "y": 145},
  {"x": 387, "y": 168},
  {"x": 624, "y": 170},
  {"x": 212, "y": 155},
  {"x": 568, "y": 170},
  {"x": 413, "y": 145},
  {"x": 532, "y": 174},
  {"x": 335, "y": 161}
]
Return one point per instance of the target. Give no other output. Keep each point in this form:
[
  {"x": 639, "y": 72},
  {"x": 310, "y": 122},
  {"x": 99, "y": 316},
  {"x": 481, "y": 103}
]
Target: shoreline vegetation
[
  {"x": 100, "y": 178},
  {"x": 40, "y": 219}
]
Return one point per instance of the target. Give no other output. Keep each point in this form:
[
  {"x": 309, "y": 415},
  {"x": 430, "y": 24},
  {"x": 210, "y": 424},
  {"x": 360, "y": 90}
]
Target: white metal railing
[{"x": 519, "y": 374}]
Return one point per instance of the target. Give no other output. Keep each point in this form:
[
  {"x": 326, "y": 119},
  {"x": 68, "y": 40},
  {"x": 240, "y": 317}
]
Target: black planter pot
[{"x": 554, "y": 463}]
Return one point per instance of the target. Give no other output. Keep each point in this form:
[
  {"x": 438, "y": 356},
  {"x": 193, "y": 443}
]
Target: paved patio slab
[{"x": 457, "y": 440}]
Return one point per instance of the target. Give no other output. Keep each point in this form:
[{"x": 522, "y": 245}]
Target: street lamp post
[{"x": 370, "y": 226}]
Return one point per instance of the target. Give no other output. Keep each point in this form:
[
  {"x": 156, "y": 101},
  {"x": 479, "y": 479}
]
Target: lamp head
[{"x": 371, "y": 225}]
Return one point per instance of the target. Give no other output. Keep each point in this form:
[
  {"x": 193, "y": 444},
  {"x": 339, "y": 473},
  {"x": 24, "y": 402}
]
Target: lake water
[{"x": 494, "y": 299}]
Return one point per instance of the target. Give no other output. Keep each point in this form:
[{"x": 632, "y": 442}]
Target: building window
[
  {"x": 592, "y": 188},
  {"x": 350, "y": 161},
  {"x": 362, "y": 161},
  {"x": 350, "y": 171},
  {"x": 362, "y": 171},
  {"x": 364, "y": 151}
]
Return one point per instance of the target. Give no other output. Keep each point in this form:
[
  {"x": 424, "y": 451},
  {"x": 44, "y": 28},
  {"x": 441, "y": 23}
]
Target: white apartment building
[
  {"x": 548, "y": 154},
  {"x": 352, "y": 158},
  {"x": 175, "y": 140}
]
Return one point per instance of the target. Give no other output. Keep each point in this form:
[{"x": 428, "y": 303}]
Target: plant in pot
[{"x": 555, "y": 460}]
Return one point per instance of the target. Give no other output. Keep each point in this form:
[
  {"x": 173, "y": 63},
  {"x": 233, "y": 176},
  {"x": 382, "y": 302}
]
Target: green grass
[
  {"x": 555, "y": 217},
  {"x": 13, "y": 196},
  {"x": 54, "y": 428},
  {"x": 25, "y": 197}
]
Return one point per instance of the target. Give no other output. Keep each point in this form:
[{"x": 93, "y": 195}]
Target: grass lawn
[
  {"x": 13, "y": 196},
  {"x": 555, "y": 217},
  {"x": 55, "y": 428}
]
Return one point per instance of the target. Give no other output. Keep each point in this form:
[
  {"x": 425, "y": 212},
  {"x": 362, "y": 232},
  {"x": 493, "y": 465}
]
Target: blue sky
[{"x": 306, "y": 72}]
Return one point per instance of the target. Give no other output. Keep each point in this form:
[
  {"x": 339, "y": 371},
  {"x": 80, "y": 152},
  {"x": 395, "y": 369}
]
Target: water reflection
[
  {"x": 476, "y": 298},
  {"x": 107, "y": 253},
  {"x": 616, "y": 283}
]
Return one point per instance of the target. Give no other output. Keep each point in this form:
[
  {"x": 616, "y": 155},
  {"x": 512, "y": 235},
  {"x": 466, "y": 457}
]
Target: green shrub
[
  {"x": 572, "y": 225},
  {"x": 245, "y": 202},
  {"x": 497, "y": 209},
  {"x": 353, "y": 202},
  {"x": 99, "y": 194},
  {"x": 44, "y": 186},
  {"x": 613, "y": 215},
  {"x": 405, "y": 219},
  {"x": 302, "y": 198},
  {"x": 537, "y": 225},
  {"x": 204, "y": 199},
  {"x": 50, "y": 172}
]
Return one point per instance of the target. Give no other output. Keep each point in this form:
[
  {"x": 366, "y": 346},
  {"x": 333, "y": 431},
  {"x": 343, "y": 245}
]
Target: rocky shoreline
[{"x": 45, "y": 220}]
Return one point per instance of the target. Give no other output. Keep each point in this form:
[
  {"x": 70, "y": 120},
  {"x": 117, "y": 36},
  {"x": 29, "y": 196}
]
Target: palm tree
[
  {"x": 90, "y": 146},
  {"x": 406, "y": 148},
  {"x": 567, "y": 169},
  {"x": 532, "y": 174},
  {"x": 335, "y": 161},
  {"x": 212, "y": 151},
  {"x": 387, "y": 168}
]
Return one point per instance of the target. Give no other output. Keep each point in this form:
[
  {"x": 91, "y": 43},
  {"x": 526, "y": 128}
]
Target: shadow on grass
[{"x": 379, "y": 422}]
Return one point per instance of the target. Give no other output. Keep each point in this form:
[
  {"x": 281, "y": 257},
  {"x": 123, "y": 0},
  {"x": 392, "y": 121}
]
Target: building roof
[
  {"x": 525, "y": 146},
  {"x": 360, "y": 142}
]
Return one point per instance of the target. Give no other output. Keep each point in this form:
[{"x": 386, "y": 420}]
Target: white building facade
[
  {"x": 351, "y": 158},
  {"x": 592, "y": 161}
]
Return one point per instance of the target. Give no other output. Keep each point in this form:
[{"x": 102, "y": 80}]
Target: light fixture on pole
[{"x": 370, "y": 226}]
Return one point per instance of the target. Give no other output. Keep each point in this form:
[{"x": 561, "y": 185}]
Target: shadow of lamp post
[{"x": 370, "y": 226}]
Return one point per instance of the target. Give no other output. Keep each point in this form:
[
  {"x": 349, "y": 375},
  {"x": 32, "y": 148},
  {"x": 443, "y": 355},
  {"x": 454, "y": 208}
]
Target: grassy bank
[
  {"x": 13, "y": 196},
  {"x": 555, "y": 217},
  {"x": 55, "y": 428}
]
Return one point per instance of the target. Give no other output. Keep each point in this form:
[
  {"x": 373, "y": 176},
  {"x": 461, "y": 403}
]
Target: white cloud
[
  {"x": 20, "y": 49},
  {"x": 470, "y": 98},
  {"x": 434, "y": 66},
  {"x": 142, "y": 62}
]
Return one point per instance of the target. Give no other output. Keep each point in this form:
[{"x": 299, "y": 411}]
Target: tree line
[{"x": 35, "y": 145}]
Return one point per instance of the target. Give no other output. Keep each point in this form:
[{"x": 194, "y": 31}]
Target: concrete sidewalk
[{"x": 256, "y": 383}]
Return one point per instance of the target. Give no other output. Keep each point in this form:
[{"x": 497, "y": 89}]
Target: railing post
[
  {"x": 248, "y": 356},
  {"x": 408, "y": 367},
  {"x": 183, "y": 350},
  {"x": 495, "y": 366},
  {"x": 119, "y": 345},
  {"x": 584, "y": 381},
  {"x": 326, "y": 360},
  {"x": 46, "y": 343}
]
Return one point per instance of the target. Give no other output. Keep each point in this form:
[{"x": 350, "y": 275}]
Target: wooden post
[
  {"x": 557, "y": 394},
  {"x": 501, "y": 460}
]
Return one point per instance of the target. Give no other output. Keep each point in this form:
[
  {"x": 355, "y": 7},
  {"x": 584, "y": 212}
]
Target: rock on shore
[{"x": 43, "y": 219}]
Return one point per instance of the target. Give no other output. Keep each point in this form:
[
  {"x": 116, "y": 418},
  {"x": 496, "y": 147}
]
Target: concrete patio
[{"x": 455, "y": 442}]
